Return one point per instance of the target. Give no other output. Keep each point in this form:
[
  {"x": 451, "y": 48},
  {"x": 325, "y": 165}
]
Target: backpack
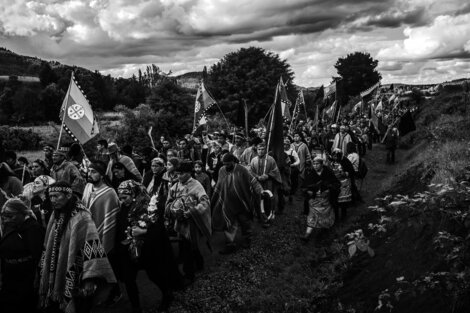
[{"x": 362, "y": 170}]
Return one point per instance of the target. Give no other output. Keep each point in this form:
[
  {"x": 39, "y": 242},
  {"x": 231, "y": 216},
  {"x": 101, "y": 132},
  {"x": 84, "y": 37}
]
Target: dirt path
[{"x": 285, "y": 254}]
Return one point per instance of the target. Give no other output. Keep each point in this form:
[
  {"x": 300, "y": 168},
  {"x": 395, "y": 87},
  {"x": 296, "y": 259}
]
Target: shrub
[{"x": 19, "y": 139}]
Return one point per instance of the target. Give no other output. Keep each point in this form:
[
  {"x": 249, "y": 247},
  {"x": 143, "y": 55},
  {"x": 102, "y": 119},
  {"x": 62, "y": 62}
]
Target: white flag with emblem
[{"x": 77, "y": 116}]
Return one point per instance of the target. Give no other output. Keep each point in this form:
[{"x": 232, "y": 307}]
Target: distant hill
[
  {"x": 13, "y": 64},
  {"x": 189, "y": 80}
]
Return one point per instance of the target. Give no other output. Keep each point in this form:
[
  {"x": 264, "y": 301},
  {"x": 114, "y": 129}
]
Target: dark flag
[
  {"x": 406, "y": 124},
  {"x": 203, "y": 102},
  {"x": 275, "y": 144}
]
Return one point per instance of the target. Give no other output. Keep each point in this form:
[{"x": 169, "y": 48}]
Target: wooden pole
[{"x": 65, "y": 112}]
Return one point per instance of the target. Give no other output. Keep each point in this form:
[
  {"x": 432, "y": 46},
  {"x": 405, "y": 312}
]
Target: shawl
[
  {"x": 191, "y": 196},
  {"x": 235, "y": 192},
  {"x": 341, "y": 142},
  {"x": 304, "y": 156},
  {"x": 67, "y": 261},
  {"x": 104, "y": 207},
  {"x": 257, "y": 169}
]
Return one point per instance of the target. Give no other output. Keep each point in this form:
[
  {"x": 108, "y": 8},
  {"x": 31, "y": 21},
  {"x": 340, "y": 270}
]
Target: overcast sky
[{"x": 415, "y": 41}]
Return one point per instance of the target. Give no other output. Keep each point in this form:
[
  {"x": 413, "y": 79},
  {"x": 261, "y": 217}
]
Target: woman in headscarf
[
  {"x": 321, "y": 189},
  {"x": 144, "y": 244},
  {"x": 20, "y": 251},
  {"x": 35, "y": 195}
]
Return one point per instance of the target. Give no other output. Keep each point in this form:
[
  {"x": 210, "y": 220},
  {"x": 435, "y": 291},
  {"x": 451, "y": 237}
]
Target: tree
[
  {"x": 249, "y": 74},
  {"x": 174, "y": 106},
  {"x": 47, "y": 75},
  {"x": 358, "y": 72}
]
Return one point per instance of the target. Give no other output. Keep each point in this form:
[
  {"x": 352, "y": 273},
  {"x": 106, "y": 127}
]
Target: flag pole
[
  {"x": 246, "y": 118},
  {"x": 65, "y": 112},
  {"x": 270, "y": 128}
]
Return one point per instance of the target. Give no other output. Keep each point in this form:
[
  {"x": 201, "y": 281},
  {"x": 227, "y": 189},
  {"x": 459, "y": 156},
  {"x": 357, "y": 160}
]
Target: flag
[
  {"x": 329, "y": 90},
  {"x": 275, "y": 143},
  {"x": 339, "y": 98},
  {"x": 331, "y": 110},
  {"x": 285, "y": 102},
  {"x": 370, "y": 93},
  {"x": 77, "y": 116},
  {"x": 379, "y": 107},
  {"x": 203, "y": 102},
  {"x": 299, "y": 103},
  {"x": 357, "y": 106},
  {"x": 374, "y": 118},
  {"x": 406, "y": 124}
]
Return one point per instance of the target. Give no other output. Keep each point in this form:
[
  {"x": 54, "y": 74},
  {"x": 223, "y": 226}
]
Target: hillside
[{"x": 13, "y": 64}]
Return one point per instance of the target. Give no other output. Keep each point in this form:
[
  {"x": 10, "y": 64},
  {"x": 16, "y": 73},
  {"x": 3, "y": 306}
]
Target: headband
[{"x": 66, "y": 190}]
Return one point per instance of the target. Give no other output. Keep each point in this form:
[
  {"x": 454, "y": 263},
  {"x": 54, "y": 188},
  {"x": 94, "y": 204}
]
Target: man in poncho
[
  {"x": 74, "y": 262},
  {"x": 103, "y": 203},
  {"x": 264, "y": 168},
  {"x": 189, "y": 204},
  {"x": 233, "y": 202}
]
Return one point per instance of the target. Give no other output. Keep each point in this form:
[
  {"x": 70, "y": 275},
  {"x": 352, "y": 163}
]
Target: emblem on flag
[{"x": 75, "y": 111}]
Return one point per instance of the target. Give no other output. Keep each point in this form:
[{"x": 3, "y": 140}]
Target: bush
[{"x": 19, "y": 139}]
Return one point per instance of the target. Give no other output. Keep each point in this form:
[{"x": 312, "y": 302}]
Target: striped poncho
[{"x": 104, "y": 207}]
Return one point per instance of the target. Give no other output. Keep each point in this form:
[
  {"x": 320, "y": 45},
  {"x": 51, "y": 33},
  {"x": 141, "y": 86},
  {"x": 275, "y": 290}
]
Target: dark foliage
[
  {"x": 358, "y": 72},
  {"x": 249, "y": 74},
  {"x": 19, "y": 139}
]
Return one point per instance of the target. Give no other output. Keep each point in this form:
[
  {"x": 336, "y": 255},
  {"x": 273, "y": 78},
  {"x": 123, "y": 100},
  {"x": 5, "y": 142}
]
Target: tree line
[{"x": 247, "y": 75}]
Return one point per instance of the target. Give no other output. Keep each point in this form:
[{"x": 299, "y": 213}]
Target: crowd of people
[{"x": 75, "y": 227}]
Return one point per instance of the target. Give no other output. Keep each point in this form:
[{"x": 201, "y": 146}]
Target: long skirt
[{"x": 320, "y": 214}]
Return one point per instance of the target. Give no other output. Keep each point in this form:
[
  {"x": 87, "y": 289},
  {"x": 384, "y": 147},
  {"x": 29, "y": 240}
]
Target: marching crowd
[{"x": 73, "y": 228}]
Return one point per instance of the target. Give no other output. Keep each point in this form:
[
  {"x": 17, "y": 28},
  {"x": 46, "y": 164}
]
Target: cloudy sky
[{"x": 415, "y": 41}]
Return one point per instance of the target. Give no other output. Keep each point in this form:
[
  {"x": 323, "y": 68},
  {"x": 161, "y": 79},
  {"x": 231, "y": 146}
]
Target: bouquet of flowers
[{"x": 143, "y": 220}]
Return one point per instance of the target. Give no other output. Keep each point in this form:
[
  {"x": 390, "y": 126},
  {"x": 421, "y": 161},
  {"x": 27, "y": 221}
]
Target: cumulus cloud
[
  {"x": 446, "y": 37},
  {"x": 409, "y": 38}
]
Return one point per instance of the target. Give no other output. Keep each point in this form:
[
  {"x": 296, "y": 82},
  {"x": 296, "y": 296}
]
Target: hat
[
  {"x": 99, "y": 166},
  {"x": 334, "y": 126},
  {"x": 113, "y": 148},
  {"x": 185, "y": 167}
]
